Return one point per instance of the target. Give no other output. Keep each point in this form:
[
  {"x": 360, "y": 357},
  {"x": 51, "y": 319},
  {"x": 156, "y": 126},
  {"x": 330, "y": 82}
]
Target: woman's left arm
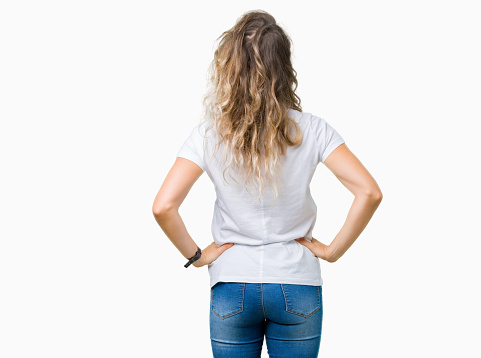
[{"x": 180, "y": 179}]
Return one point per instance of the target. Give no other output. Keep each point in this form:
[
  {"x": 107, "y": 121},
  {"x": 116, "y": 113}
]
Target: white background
[{"x": 96, "y": 98}]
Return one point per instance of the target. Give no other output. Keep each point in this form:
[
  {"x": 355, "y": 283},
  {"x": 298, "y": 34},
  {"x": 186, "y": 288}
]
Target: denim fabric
[{"x": 288, "y": 315}]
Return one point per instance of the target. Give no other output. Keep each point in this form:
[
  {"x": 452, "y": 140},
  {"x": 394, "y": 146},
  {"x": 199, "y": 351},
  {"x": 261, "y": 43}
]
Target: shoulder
[
  {"x": 305, "y": 119},
  {"x": 199, "y": 128},
  {"x": 197, "y": 132},
  {"x": 295, "y": 114}
]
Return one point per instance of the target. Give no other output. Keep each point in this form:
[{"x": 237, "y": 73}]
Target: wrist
[
  {"x": 195, "y": 258},
  {"x": 199, "y": 262}
]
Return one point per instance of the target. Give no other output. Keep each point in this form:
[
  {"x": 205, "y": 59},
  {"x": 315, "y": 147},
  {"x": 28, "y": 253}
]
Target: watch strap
[{"x": 194, "y": 258}]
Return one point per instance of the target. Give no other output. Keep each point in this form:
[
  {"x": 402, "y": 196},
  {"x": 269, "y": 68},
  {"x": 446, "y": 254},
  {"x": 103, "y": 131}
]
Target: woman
[{"x": 261, "y": 151}]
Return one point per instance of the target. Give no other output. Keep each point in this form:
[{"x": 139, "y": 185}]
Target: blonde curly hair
[{"x": 251, "y": 87}]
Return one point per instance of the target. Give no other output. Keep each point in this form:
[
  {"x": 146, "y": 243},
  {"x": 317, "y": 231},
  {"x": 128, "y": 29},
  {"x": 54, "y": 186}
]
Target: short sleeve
[
  {"x": 327, "y": 138},
  {"x": 193, "y": 148}
]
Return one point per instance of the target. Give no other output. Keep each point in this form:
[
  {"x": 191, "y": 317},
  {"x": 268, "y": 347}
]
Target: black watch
[{"x": 194, "y": 258}]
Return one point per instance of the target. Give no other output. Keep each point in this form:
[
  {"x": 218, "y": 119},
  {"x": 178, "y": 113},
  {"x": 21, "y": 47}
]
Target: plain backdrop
[{"x": 96, "y": 98}]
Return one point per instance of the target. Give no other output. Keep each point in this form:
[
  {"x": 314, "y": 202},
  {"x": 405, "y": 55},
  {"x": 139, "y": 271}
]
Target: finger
[
  {"x": 304, "y": 242},
  {"x": 225, "y": 246},
  {"x": 315, "y": 241}
]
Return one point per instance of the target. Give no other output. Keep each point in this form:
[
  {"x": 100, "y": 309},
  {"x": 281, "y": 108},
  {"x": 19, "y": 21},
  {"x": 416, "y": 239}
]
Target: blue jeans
[{"x": 290, "y": 317}]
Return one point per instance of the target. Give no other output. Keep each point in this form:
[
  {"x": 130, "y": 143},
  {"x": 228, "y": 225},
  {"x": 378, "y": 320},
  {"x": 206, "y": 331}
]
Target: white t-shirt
[{"x": 264, "y": 232}]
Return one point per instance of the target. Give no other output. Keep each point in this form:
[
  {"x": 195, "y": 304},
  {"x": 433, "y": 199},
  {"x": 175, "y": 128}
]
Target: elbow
[
  {"x": 374, "y": 195},
  {"x": 331, "y": 259},
  {"x": 160, "y": 209},
  {"x": 377, "y": 196},
  {"x": 332, "y": 256}
]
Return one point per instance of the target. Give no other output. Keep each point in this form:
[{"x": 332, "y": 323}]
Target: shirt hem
[
  {"x": 331, "y": 148},
  {"x": 193, "y": 160},
  {"x": 294, "y": 281}
]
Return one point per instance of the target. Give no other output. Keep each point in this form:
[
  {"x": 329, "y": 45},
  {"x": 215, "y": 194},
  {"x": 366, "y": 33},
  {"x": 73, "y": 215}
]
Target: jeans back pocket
[
  {"x": 227, "y": 298},
  {"x": 302, "y": 300}
]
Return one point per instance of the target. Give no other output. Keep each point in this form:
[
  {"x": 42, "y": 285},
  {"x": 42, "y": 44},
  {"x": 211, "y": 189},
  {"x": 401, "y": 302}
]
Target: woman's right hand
[{"x": 317, "y": 248}]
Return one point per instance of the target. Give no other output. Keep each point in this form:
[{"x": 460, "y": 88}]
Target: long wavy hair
[{"x": 251, "y": 87}]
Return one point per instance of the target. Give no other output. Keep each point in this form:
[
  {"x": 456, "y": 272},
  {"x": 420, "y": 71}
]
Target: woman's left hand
[{"x": 211, "y": 253}]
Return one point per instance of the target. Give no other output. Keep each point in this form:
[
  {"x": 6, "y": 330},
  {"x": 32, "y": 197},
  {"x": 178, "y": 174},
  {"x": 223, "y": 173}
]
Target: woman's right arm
[{"x": 355, "y": 177}]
